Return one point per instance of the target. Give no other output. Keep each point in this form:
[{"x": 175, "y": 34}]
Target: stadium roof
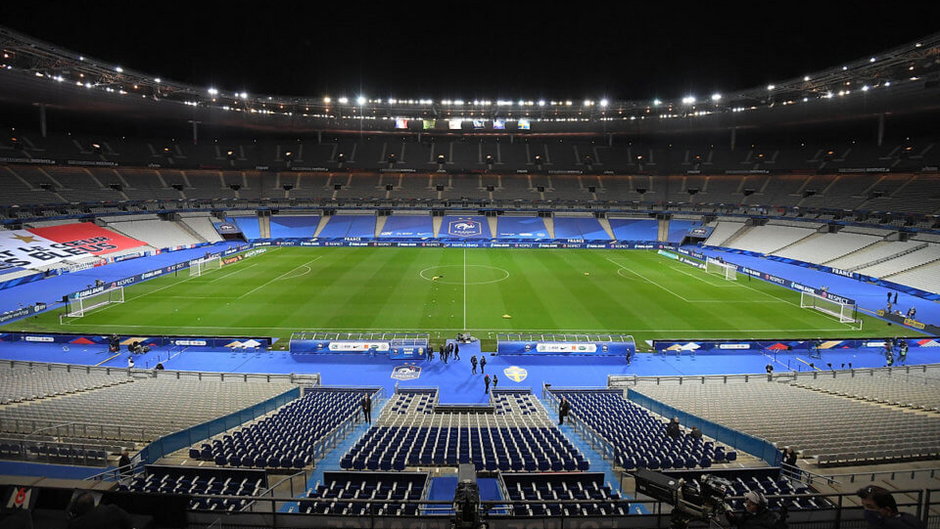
[{"x": 901, "y": 79}]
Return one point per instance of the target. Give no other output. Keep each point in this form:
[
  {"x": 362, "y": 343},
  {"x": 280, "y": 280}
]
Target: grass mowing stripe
[
  {"x": 266, "y": 283},
  {"x": 384, "y": 289}
]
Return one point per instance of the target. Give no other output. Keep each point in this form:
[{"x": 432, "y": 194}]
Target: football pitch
[{"x": 443, "y": 291}]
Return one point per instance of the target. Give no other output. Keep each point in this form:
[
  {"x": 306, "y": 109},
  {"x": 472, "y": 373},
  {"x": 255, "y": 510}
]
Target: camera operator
[{"x": 756, "y": 515}]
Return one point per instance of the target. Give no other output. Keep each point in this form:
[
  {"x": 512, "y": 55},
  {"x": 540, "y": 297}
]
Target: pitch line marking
[
  {"x": 422, "y": 275},
  {"x": 139, "y": 296},
  {"x": 233, "y": 273},
  {"x": 297, "y": 276},
  {"x": 266, "y": 283},
  {"x": 569, "y": 331},
  {"x": 648, "y": 280},
  {"x": 704, "y": 279}
]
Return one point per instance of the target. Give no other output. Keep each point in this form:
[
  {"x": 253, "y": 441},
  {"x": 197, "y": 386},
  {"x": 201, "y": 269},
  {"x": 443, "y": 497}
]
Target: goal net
[
  {"x": 845, "y": 312},
  {"x": 726, "y": 270},
  {"x": 201, "y": 266},
  {"x": 78, "y": 307}
]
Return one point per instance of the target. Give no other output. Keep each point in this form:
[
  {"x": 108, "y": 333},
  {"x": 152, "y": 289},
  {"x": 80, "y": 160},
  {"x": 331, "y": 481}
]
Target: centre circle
[{"x": 464, "y": 274}]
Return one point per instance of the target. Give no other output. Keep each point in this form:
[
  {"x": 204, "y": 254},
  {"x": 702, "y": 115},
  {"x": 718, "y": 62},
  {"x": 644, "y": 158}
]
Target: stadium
[{"x": 222, "y": 308}]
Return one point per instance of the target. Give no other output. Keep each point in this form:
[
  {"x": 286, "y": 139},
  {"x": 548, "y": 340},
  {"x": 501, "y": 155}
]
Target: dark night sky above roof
[{"x": 474, "y": 49}]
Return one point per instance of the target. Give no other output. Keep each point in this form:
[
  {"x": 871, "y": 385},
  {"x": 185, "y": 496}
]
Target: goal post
[
  {"x": 726, "y": 270},
  {"x": 845, "y": 312},
  {"x": 201, "y": 266},
  {"x": 80, "y": 306}
]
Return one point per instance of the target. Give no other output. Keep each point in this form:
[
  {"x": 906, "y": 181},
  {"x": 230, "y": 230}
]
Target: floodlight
[
  {"x": 361, "y": 100},
  {"x": 604, "y": 102},
  {"x": 657, "y": 102},
  {"x": 327, "y": 100},
  {"x": 541, "y": 102},
  {"x": 118, "y": 69},
  {"x": 343, "y": 100},
  {"x": 716, "y": 97},
  {"x": 771, "y": 87},
  {"x": 688, "y": 100},
  {"x": 213, "y": 91}
]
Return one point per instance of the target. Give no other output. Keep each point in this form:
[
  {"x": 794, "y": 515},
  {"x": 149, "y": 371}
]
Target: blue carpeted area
[
  {"x": 868, "y": 296},
  {"x": 51, "y": 290},
  {"x": 454, "y": 379}
]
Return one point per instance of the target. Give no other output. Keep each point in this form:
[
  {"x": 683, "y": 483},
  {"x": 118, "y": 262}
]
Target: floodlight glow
[
  {"x": 327, "y": 100},
  {"x": 871, "y": 59},
  {"x": 865, "y": 88},
  {"x": 657, "y": 102},
  {"x": 343, "y": 100},
  {"x": 243, "y": 95},
  {"x": 604, "y": 102},
  {"x": 887, "y": 83},
  {"x": 157, "y": 80},
  {"x": 81, "y": 58},
  {"x": 771, "y": 87},
  {"x": 688, "y": 100},
  {"x": 213, "y": 91},
  {"x": 361, "y": 100},
  {"x": 806, "y": 78},
  {"x": 541, "y": 102},
  {"x": 118, "y": 69},
  {"x": 716, "y": 97}
]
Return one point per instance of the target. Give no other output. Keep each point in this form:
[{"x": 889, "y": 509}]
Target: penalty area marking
[
  {"x": 426, "y": 278},
  {"x": 285, "y": 278}
]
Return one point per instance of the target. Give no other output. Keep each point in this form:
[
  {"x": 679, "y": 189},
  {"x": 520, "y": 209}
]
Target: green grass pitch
[{"x": 443, "y": 291}]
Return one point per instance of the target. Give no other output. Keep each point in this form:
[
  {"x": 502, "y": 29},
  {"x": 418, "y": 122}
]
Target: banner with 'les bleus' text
[{"x": 38, "y": 247}]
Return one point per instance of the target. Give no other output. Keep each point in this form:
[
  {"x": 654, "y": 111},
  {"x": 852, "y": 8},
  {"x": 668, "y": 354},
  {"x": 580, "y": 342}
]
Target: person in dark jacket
[
  {"x": 881, "y": 510},
  {"x": 87, "y": 515},
  {"x": 672, "y": 429},
  {"x": 564, "y": 408},
  {"x": 756, "y": 515},
  {"x": 367, "y": 408}
]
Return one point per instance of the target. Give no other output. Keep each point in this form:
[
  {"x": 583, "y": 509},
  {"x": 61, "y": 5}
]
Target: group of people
[
  {"x": 445, "y": 352},
  {"x": 452, "y": 349},
  {"x": 890, "y": 345}
]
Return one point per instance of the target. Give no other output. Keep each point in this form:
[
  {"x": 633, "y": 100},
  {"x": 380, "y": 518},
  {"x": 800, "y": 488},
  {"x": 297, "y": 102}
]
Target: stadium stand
[
  {"x": 537, "y": 491},
  {"x": 156, "y": 232},
  {"x": 190, "y": 481},
  {"x": 294, "y": 226},
  {"x": 919, "y": 390},
  {"x": 148, "y": 407},
  {"x": 636, "y": 229},
  {"x": 852, "y": 432},
  {"x": 636, "y": 438},
  {"x": 291, "y": 438},
  {"x": 340, "y": 226},
  {"x": 353, "y": 493},
  {"x": 411, "y": 433}
]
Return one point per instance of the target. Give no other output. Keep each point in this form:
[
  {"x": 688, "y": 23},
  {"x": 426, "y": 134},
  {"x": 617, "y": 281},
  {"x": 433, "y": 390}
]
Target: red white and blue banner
[{"x": 38, "y": 247}]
